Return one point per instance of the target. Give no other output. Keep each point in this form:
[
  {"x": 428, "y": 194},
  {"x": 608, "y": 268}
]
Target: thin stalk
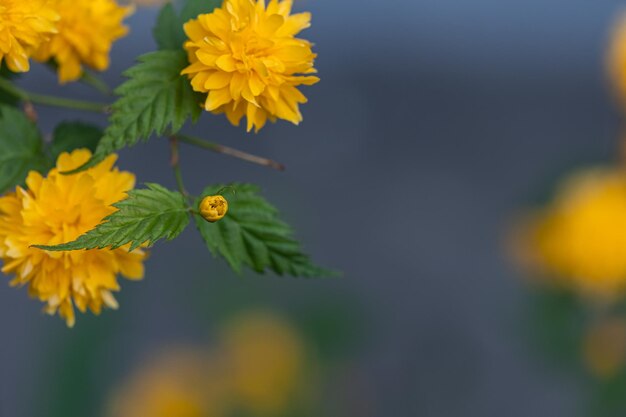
[
  {"x": 225, "y": 150},
  {"x": 51, "y": 100},
  {"x": 96, "y": 82},
  {"x": 175, "y": 164}
]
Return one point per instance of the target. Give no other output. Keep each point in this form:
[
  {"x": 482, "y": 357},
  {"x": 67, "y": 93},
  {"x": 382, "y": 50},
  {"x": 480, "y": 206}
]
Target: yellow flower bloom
[
  {"x": 57, "y": 209},
  {"x": 87, "y": 30},
  {"x": 265, "y": 358},
  {"x": 616, "y": 58},
  {"x": 213, "y": 208},
  {"x": 24, "y": 25},
  {"x": 581, "y": 237},
  {"x": 246, "y": 57},
  {"x": 180, "y": 382},
  {"x": 257, "y": 369}
]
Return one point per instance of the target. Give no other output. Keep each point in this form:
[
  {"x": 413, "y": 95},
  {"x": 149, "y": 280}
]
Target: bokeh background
[{"x": 435, "y": 121}]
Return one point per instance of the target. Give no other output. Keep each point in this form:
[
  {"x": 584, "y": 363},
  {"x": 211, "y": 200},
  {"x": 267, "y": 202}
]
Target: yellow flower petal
[{"x": 24, "y": 26}]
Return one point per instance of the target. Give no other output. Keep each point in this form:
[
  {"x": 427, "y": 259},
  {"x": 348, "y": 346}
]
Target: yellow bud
[{"x": 213, "y": 208}]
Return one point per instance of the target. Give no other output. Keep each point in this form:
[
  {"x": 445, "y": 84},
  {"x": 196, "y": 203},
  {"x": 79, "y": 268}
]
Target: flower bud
[{"x": 213, "y": 208}]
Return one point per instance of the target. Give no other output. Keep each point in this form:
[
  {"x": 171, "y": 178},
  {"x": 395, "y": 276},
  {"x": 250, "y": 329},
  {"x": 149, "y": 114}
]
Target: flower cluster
[
  {"x": 57, "y": 209},
  {"x": 258, "y": 370},
  {"x": 246, "y": 57},
  {"x": 63, "y": 235},
  {"x": 70, "y": 32}
]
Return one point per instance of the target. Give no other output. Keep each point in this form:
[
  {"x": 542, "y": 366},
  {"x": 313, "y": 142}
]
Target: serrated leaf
[
  {"x": 251, "y": 234},
  {"x": 155, "y": 99},
  {"x": 168, "y": 32},
  {"x": 147, "y": 215},
  {"x": 21, "y": 148},
  {"x": 69, "y": 136}
]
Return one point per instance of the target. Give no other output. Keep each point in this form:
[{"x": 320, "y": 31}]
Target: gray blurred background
[{"x": 435, "y": 121}]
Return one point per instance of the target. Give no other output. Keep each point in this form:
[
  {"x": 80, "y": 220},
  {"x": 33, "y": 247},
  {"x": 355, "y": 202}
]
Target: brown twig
[
  {"x": 175, "y": 164},
  {"x": 30, "y": 112},
  {"x": 225, "y": 150}
]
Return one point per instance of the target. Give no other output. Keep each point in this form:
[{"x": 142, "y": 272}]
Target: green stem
[
  {"x": 24, "y": 95},
  {"x": 96, "y": 82},
  {"x": 225, "y": 150},
  {"x": 175, "y": 164}
]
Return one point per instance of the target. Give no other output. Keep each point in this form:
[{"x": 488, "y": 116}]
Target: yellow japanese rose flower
[
  {"x": 246, "y": 57},
  {"x": 266, "y": 363},
  {"x": 257, "y": 369},
  {"x": 57, "y": 209},
  {"x": 616, "y": 58},
  {"x": 580, "y": 238},
  {"x": 86, "y": 32},
  {"x": 24, "y": 25},
  {"x": 179, "y": 382}
]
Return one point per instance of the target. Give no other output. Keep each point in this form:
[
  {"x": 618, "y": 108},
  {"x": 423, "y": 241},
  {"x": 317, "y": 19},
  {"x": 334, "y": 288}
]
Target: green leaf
[
  {"x": 168, "y": 32},
  {"x": 146, "y": 216},
  {"x": 69, "y": 136},
  {"x": 21, "y": 148},
  {"x": 193, "y": 8},
  {"x": 155, "y": 99},
  {"x": 251, "y": 234}
]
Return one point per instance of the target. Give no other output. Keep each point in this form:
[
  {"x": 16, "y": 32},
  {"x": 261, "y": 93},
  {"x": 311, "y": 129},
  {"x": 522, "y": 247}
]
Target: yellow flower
[
  {"x": 246, "y": 57},
  {"x": 265, "y": 358},
  {"x": 57, "y": 209},
  {"x": 24, "y": 25},
  {"x": 87, "y": 30},
  {"x": 257, "y": 369},
  {"x": 180, "y": 382},
  {"x": 213, "y": 208},
  {"x": 581, "y": 237},
  {"x": 616, "y": 57}
]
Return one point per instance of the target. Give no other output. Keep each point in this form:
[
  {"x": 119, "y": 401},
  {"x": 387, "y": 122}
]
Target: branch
[
  {"x": 216, "y": 147},
  {"x": 51, "y": 100},
  {"x": 175, "y": 164}
]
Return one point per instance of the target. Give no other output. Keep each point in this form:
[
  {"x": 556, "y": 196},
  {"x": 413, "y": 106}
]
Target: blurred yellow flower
[
  {"x": 581, "y": 237},
  {"x": 180, "y": 382},
  {"x": 604, "y": 347},
  {"x": 86, "y": 32},
  {"x": 24, "y": 25},
  {"x": 246, "y": 57},
  {"x": 265, "y": 360},
  {"x": 58, "y": 209},
  {"x": 256, "y": 370},
  {"x": 616, "y": 57}
]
